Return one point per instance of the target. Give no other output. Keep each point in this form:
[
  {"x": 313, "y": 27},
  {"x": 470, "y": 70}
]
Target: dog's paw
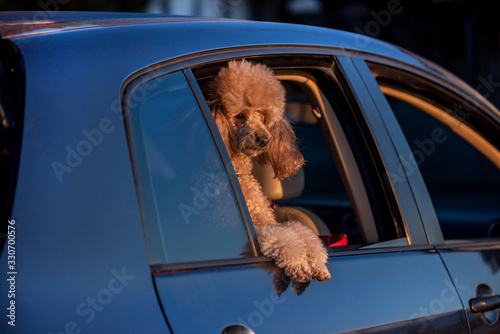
[
  {"x": 321, "y": 274},
  {"x": 280, "y": 281},
  {"x": 300, "y": 272},
  {"x": 299, "y": 287}
]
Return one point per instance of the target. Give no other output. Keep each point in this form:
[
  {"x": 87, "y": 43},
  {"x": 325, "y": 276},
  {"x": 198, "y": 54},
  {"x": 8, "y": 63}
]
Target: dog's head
[{"x": 248, "y": 104}]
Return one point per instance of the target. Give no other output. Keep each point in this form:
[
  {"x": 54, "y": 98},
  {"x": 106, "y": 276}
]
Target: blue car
[{"x": 122, "y": 213}]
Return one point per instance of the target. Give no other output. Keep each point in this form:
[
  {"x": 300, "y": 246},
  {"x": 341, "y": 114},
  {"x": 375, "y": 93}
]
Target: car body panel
[
  {"x": 249, "y": 297},
  {"x": 173, "y": 37},
  {"x": 476, "y": 273},
  {"x": 70, "y": 134}
]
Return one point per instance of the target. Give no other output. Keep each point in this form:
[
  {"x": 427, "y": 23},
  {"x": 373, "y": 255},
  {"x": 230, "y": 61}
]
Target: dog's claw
[{"x": 322, "y": 275}]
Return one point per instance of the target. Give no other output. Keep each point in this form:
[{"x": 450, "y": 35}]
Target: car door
[
  {"x": 453, "y": 135},
  {"x": 205, "y": 261}
]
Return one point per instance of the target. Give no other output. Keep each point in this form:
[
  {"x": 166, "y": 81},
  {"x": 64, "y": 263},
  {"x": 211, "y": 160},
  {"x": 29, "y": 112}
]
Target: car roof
[
  {"x": 166, "y": 37},
  {"x": 18, "y": 25},
  {"x": 23, "y": 24}
]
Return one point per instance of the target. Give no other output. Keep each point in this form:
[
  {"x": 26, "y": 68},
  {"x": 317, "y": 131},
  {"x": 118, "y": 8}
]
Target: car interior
[{"x": 329, "y": 193}]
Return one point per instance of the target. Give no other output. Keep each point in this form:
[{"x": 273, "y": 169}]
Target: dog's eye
[{"x": 240, "y": 116}]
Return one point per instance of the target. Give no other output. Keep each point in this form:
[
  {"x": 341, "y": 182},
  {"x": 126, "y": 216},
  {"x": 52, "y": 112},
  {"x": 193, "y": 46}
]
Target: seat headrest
[{"x": 275, "y": 189}]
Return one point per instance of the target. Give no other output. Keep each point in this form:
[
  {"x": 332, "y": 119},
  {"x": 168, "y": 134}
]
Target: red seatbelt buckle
[{"x": 334, "y": 240}]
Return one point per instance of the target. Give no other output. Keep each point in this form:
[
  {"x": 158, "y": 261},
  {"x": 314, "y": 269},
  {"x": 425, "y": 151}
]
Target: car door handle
[
  {"x": 237, "y": 329},
  {"x": 484, "y": 304}
]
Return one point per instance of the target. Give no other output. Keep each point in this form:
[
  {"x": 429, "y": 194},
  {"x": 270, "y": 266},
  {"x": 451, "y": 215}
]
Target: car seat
[{"x": 291, "y": 187}]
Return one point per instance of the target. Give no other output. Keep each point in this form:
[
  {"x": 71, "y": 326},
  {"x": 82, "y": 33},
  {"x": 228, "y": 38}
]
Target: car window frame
[
  {"x": 412, "y": 198},
  {"x": 186, "y": 63}
]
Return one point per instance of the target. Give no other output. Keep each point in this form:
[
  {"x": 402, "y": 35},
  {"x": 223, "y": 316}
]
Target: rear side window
[
  {"x": 189, "y": 210},
  {"x": 455, "y": 147},
  {"x": 463, "y": 184}
]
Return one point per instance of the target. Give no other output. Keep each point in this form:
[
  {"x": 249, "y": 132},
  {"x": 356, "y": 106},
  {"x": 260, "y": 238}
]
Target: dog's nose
[{"x": 262, "y": 141}]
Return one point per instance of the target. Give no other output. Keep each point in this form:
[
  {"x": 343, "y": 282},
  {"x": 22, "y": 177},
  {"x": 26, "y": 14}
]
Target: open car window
[{"x": 338, "y": 191}]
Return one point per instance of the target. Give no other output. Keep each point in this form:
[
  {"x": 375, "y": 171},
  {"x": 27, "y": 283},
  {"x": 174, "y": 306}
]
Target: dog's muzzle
[{"x": 262, "y": 141}]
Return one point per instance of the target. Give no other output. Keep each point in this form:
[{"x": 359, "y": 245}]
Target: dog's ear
[
  {"x": 220, "y": 119},
  {"x": 282, "y": 152}
]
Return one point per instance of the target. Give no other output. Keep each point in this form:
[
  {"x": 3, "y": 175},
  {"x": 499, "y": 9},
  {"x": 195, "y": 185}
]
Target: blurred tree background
[{"x": 460, "y": 35}]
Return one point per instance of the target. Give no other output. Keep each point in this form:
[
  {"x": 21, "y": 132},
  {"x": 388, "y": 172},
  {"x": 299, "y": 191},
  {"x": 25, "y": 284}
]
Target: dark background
[{"x": 461, "y": 35}]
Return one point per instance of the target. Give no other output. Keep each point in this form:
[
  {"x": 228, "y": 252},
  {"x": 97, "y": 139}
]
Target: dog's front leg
[
  {"x": 286, "y": 248},
  {"x": 317, "y": 255}
]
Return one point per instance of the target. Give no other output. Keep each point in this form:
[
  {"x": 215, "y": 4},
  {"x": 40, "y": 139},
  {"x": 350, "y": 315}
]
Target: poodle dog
[{"x": 247, "y": 103}]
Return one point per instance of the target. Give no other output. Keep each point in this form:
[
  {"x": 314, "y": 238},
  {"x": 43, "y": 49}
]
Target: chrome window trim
[
  {"x": 470, "y": 245},
  {"x": 161, "y": 269}
]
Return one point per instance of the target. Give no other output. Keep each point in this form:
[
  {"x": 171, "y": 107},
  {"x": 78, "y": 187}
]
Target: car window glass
[
  {"x": 464, "y": 185},
  {"x": 189, "y": 209}
]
